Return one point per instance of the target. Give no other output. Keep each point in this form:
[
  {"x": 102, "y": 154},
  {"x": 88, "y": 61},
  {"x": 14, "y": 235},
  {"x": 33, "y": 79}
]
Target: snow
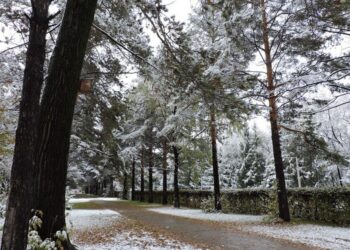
[
  {"x": 130, "y": 241},
  {"x": 83, "y": 219},
  {"x": 325, "y": 237},
  {"x": 199, "y": 214},
  {"x": 85, "y": 200}
]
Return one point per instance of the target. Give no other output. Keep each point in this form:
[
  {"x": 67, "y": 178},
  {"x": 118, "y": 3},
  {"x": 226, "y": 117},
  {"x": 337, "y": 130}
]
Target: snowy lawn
[
  {"x": 132, "y": 241},
  {"x": 82, "y": 219},
  {"x": 199, "y": 214},
  {"x": 327, "y": 237},
  {"x": 324, "y": 237},
  {"x": 93, "y": 229}
]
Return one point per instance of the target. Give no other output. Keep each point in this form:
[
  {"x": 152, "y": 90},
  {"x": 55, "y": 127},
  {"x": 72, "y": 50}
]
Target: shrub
[{"x": 207, "y": 205}]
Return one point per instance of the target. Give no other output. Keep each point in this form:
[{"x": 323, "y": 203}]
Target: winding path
[{"x": 205, "y": 234}]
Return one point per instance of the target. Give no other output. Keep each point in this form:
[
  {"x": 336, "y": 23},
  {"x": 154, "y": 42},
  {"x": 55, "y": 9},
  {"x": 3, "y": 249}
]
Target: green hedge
[
  {"x": 330, "y": 205},
  {"x": 188, "y": 198},
  {"x": 249, "y": 201}
]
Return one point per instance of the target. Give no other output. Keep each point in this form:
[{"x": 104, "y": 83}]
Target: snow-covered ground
[
  {"x": 105, "y": 229},
  {"x": 130, "y": 241},
  {"x": 335, "y": 238},
  {"x": 199, "y": 214},
  {"x": 108, "y": 229},
  {"x": 82, "y": 219},
  {"x": 324, "y": 237}
]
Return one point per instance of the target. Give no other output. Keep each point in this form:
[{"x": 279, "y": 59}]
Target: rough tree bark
[
  {"x": 165, "y": 176},
  {"x": 142, "y": 193},
  {"x": 213, "y": 136},
  {"x": 19, "y": 202},
  {"x": 176, "y": 174},
  {"x": 56, "y": 113},
  {"x": 276, "y": 144},
  {"x": 133, "y": 179}
]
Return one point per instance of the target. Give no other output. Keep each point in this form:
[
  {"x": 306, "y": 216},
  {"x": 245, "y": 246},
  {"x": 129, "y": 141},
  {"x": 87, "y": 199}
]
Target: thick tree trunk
[
  {"x": 133, "y": 179},
  {"x": 142, "y": 193},
  {"x": 19, "y": 202},
  {"x": 213, "y": 136},
  {"x": 150, "y": 173},
  {"x": 125, "y": 186},
  {"x": 276, "y": 144},
  {"x": 176, "y": 180},
  {"x": 165, "y": 176},
  {"x": 56, "y": 113}
]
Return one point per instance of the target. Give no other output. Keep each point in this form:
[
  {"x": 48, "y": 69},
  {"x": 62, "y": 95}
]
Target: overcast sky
[{"x": 181, "y": 9}]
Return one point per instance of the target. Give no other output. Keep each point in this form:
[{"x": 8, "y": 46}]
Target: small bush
[
  {"x": 226, "y": 206},
  {"x": 207, "y": 205},
  {"x": 34, "y": 240}
]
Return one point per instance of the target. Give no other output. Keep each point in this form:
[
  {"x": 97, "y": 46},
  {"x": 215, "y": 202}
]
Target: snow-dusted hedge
[
  {"x": 249, "y": 201},
  {"x": 331, "y": 205},
  {"x": 327, "y": 205}
]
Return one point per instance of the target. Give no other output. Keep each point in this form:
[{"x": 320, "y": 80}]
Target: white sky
[{"x": 181, "y": 9}]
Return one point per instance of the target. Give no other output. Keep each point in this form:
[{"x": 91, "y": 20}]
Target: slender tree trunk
[
  {"x": 125, "y": 186},
  {"x": 56, "y": 113},
  {"x": 276, "y": 144},
  {"x": 165, "y": 176},
  {"x": 133, "y": 179},
  {"x": 142, "y": 193},
  {"x": 176, "y": 181},
  {"x": 111, "y": 188},
  {"x": 339, "y": 176},
  {"x": 19, "y": 202},
  {"x": 150, "y": 170},
  {"x": 213, "y": 136}
]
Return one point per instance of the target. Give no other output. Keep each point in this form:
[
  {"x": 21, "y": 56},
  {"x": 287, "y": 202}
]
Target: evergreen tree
[
  {"x": 20, "y": 201},
  {"x": 272, "y": 30},
  {"x": 57, "y": 105},
  {"x": 252, "y": 168}
]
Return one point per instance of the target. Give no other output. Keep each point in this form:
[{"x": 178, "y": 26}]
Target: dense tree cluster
[{"x": 195, "y": 115}]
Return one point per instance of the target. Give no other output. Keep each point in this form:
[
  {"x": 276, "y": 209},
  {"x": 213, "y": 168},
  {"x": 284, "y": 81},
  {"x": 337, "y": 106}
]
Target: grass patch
[
  {"x": 297, "y": 221},
  {"x": 85, "y": 205},
  {"x": 141, "y": 204},
  {"x": 85, "y": 196}
]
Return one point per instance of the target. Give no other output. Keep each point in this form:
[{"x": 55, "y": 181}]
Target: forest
[{"x": 124, "y": 98}]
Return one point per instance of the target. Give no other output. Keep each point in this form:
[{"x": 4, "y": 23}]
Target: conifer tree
[
  {"x": 252, "y": 168},
  {"x": 20, "y": 201},
  {"x": 56, "y": 114}
]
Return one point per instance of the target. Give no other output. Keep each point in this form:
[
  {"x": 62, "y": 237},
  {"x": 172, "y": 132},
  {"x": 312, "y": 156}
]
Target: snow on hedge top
[
  {"x": 84, "y": 200},
  {"x": 199, "y": 214}
]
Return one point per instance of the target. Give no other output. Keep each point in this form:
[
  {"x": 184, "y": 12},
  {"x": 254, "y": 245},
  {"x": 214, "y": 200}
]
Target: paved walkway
[{"x": 210, "y": 235}]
